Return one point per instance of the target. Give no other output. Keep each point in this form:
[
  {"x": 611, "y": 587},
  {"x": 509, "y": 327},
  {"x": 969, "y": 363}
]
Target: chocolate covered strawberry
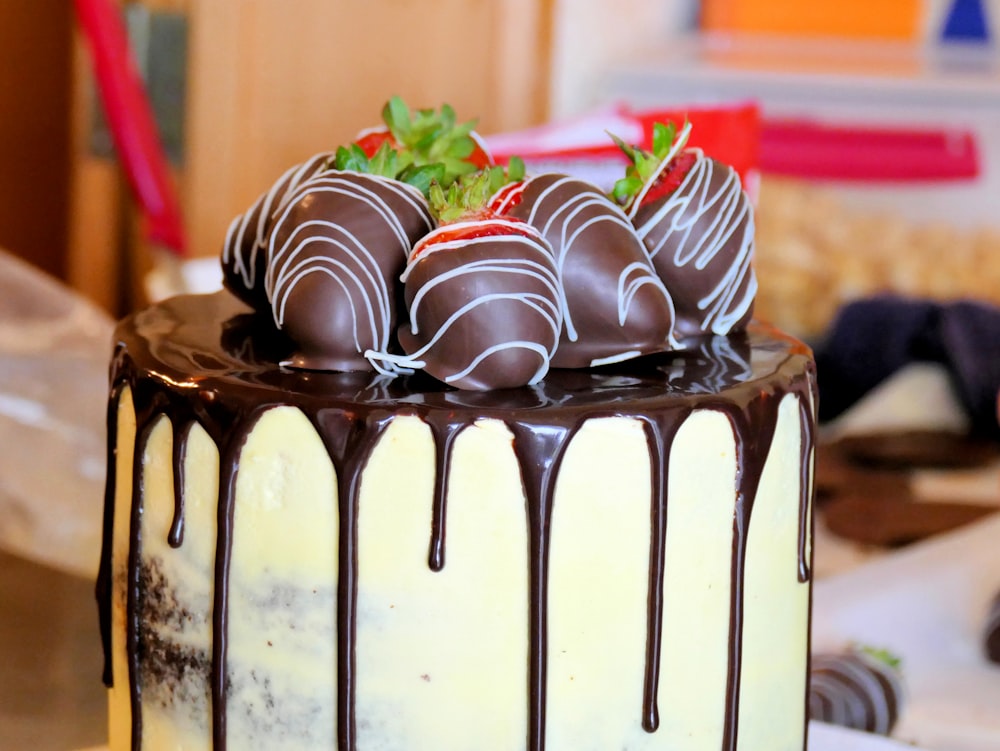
[
  {"x": 615, "y": 306},
  {"x": 244, "y": 251},
  {"x": 409, "y": 146},
  {"x": 696, "y": 221},
  {"x": 859, "y": 688},
  {"x": 336, "y": 250},
  {"x": 483, "y": 296}
]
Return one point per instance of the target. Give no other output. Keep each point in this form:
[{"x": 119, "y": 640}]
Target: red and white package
[{"x": 582, "y": 146}]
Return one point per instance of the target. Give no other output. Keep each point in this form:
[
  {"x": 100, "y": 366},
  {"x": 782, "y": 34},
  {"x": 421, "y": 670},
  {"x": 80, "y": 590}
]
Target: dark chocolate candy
[{"x": 856, "y": 690}]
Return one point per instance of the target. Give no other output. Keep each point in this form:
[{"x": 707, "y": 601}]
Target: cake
[{"x": 451, "y": 536}]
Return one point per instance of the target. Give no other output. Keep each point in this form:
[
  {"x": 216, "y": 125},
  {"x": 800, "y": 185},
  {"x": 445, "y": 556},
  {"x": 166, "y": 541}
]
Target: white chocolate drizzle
[
  {"x": 263, "y": 210},
  {"x": 729, "y": 213},
  {"x": 631, "y": 278}
]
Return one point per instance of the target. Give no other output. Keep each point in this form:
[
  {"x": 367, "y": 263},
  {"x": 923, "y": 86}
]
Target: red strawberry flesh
[
  {"x": 370, "y": 140},
  {"x": 470, "y": 228},
  {"x": 507, "y": 197},
  {"x": 671, "y": 176}
]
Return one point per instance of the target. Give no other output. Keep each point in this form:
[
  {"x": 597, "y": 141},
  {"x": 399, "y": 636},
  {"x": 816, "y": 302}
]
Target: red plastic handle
[{"x": 130, "y": 119}]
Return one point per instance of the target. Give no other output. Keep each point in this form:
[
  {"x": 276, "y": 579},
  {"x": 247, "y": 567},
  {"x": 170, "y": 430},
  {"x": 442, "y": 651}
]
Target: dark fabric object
[{"x": 873, "y": 338}]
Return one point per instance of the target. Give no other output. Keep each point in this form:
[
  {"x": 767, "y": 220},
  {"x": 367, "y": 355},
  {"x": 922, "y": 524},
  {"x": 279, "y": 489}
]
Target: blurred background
[
  {"x": 867, "y": 133},
  {"x": 877, "y": 149}
]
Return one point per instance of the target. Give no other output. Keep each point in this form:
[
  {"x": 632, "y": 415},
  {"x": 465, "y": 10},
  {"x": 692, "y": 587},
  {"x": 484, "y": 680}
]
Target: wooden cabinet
[
  {"x": 35, "y": 71},
  {"x": 269, "y": 82}
]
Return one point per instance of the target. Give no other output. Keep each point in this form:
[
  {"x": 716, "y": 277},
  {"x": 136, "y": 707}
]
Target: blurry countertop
[
  {"x": 54, "y": 352},
  {"x": 54, "y": 349}
]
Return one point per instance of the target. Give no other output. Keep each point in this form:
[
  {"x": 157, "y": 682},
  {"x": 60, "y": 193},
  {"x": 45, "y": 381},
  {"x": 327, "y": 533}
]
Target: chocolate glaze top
[{"x": 221, "y": 344}]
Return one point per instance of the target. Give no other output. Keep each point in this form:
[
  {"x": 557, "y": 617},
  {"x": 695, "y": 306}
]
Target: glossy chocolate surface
[
  {"x": 700, "y": 239},
  {"x": 484, "y": 312},
  {"x": 615, "y": 305},
  {"x": 335, "y": 255}
]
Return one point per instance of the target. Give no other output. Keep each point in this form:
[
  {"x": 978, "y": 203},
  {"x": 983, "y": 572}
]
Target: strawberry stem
[
  {"x": 388, "y": 162},
  {"x": 468, "y": 196},
  {"x": 428, "y": 136},
  {"x": 644, "y": 165}
]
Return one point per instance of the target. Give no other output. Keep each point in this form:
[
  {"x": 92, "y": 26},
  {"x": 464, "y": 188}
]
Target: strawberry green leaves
[
  {"x": 470, "y": 194},
  {"x": 645, "y": 166},
  {"x": 882, "y": 655},
  {"x": 417, "y": 147},
  {"x": 388, "y": 162},
  {"x": 430, "y": 136}
]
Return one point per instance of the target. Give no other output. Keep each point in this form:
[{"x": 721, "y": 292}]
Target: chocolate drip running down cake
[{"x": 612, "y": 556}]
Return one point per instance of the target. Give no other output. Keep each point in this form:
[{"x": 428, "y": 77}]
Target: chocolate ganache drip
[
  {"x": 615, "y": 306},
  {"x": 244, "y": 251},
  {"x": 335, "y": 253},
  {"x": 700, "y": 238},
  {"x": 237, "y": 380}
]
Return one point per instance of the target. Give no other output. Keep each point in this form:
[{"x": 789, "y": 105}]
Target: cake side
[{"x": 416, "y": 556}]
